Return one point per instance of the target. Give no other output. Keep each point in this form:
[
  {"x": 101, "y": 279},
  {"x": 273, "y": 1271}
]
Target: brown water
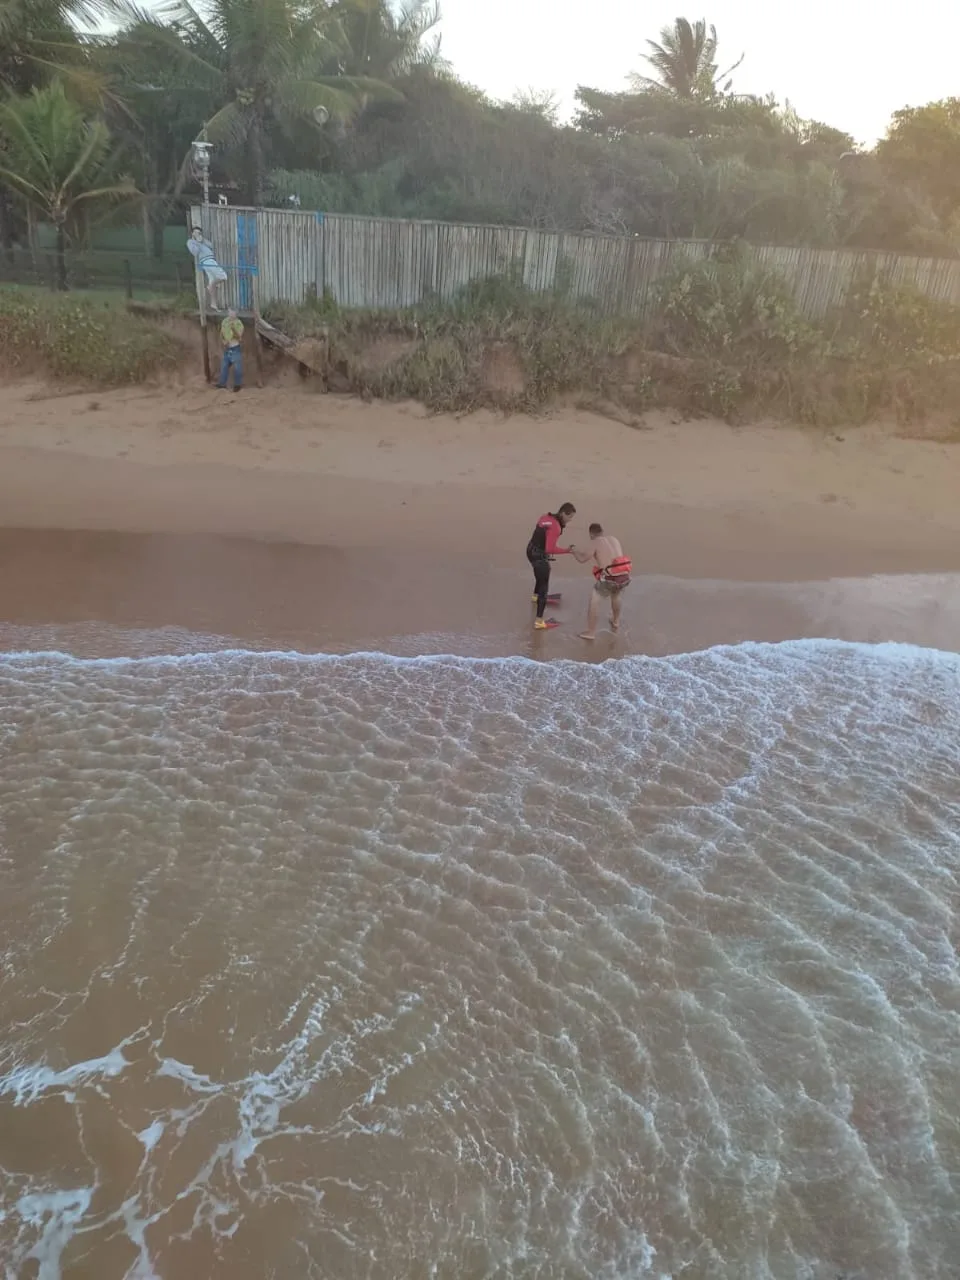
[{"x": 364, "y": 967}]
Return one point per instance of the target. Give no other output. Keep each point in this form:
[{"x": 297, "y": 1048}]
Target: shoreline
[
  {"x": 295, "y": 520},
  {"x": 95, "y": 594}
]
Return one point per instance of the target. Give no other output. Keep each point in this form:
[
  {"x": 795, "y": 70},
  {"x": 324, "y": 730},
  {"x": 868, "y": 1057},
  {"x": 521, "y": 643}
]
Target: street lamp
[{"x": 201, "y": 156}]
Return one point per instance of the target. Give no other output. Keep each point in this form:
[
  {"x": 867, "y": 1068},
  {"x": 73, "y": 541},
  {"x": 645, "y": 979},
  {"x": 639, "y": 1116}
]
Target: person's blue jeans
[{"x": 232, "y": 357}]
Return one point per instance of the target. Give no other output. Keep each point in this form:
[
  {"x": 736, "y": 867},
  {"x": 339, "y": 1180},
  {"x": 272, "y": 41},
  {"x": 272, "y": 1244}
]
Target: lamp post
[{"x": 201, "y": 156}]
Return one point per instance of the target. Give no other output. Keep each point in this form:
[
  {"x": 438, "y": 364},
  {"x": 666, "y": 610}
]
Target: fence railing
[
  {"x": 138, "y": 275},
  {"x": 278, "y": 255}
]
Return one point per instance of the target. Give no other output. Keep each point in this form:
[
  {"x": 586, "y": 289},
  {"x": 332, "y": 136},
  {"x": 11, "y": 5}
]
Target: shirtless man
[{"x": 612, "y": 569}]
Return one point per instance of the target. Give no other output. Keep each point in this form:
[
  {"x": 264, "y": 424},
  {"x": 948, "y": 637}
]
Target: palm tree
[
  {"x": 375, "y": 38},
  {"x": 156, "y": 108},
  {"x": 266, "y": 64},
  {"x": 58, "y": 161},
  {"x": 685, "y": 62},
  {"x": 38, "y": 41}
]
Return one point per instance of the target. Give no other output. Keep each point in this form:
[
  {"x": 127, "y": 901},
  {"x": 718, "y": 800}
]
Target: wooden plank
[{"x": 310, "y": 352}]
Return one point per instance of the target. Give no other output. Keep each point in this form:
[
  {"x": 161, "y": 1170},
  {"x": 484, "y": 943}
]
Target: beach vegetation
[
  {"x": 347, "y": 106},
  {"x": 96, "y": 343},
  {"x": 723, "y": 337},
  {"x": 495, "y": 343}
]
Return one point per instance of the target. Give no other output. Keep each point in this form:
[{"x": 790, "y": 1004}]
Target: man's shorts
[
  {"x": 215, "y": 273},
  {"x": 610, "y": 587}
]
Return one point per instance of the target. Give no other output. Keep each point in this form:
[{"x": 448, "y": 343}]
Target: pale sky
[{"x": 840, "y": 61}]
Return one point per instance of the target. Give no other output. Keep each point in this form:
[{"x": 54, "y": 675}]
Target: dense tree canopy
[
  {"x": 348, "y": 105},
  {"x": 922, "y": 149}
]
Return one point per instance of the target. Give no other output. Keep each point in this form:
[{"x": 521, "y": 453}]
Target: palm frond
[
  {"x": 229, "y": 126},
  {"x": 297, "y": 99},
  {"x": 119, "y": 191},
  {"x": 684, "y": 59},
  {"x": 16, "y": 124},
  {"x": 93, "y": 150},
  {"x": 22, "y": 185}
]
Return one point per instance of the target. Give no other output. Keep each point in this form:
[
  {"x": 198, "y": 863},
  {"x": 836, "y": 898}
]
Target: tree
[
  {"x": 922, "y": 148},
  {"x": 685, "y": 62},
  {"x": 675, "y": 155},
  {"x": 38, "y": 40},
  {"x": 543, "y": 103},
  {"x": 157, "y": 108},
  {"x": 62, "y": 164},
  {"x": 266, "y": 65},
  {"x": 653, "y": 111},
  {"x": 377, "y": 39}
]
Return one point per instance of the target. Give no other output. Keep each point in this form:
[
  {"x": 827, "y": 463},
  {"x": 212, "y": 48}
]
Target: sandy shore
[{"x": 281, "y": 517}]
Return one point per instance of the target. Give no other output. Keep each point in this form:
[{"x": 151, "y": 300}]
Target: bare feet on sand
[{"x": 591, "y": 635}]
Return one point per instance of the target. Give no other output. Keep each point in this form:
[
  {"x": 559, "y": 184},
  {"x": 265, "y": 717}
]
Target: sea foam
[{"x": 383, "y": 967}]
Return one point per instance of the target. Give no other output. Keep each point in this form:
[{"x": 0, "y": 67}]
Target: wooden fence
[{"x": 276, "y": 255}]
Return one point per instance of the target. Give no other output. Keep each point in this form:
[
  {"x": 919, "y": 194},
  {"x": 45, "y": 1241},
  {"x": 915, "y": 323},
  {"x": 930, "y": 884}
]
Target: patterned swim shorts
[{"x": 609, "y": 586}]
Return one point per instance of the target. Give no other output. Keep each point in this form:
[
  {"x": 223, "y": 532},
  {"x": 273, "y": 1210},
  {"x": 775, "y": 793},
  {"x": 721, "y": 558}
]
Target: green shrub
[
  {"x": 728, "y": 304},
  {"x": 561, "y": 346},
  {"x": 885, "y": 320},
  {"x": 80, "y": 340},
  {"x": 723, "y": 336}
]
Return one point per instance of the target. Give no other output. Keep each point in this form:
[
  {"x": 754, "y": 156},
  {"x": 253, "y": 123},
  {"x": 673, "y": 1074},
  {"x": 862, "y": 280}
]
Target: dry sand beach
[{"x": 283, "y": 517}]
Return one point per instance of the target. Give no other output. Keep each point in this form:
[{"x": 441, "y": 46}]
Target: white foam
[
  {"x": 578, "y": 944},
  {"x": 28, "y": 1083},
  {"x": 54, "y": 1216},
  {"x": 886, "y": 651},
  {"x": 151, "y": 1135}
]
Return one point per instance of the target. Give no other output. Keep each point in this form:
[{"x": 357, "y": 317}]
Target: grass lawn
[{"x": 115, "y": 298}]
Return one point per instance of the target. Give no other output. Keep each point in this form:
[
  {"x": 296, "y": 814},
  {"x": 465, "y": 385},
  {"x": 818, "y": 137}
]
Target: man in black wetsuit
[{"x": 541, "y": 549}]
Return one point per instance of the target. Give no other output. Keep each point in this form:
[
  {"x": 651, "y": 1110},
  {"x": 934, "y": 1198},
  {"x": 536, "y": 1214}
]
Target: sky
[{"x": 837, "y": 61}]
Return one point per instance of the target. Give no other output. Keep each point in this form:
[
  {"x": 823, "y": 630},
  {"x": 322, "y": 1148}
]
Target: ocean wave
[
  {"x": 385, "y": 966},
  {"x": 191, "y": 647}
]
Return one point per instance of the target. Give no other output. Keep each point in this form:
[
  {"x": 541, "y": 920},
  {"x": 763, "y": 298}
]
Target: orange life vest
[{"x": 617, "y": 570}]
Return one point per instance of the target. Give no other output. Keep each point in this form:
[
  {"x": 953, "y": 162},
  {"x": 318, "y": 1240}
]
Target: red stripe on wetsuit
[{"x": 545, "y": 535}]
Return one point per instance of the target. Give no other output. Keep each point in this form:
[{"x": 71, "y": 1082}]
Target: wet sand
[
  {"x": 118, "y": 594},
  {"x": 357, "y": 968},
  {"x": 292, "y": 520}
]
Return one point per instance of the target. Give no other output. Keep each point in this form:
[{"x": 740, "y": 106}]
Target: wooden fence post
[
  {"x": 204, "y": 332},
  {"x": 257, "y": 343}
]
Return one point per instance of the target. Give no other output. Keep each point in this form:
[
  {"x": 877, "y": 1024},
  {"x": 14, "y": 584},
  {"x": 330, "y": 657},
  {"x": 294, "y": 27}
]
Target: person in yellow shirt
[{"x": 231, "y": 333}]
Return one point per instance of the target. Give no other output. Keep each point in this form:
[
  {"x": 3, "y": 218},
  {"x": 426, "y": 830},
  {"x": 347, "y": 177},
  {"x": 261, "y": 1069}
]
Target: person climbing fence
[{"x": 206, "y": 261}]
